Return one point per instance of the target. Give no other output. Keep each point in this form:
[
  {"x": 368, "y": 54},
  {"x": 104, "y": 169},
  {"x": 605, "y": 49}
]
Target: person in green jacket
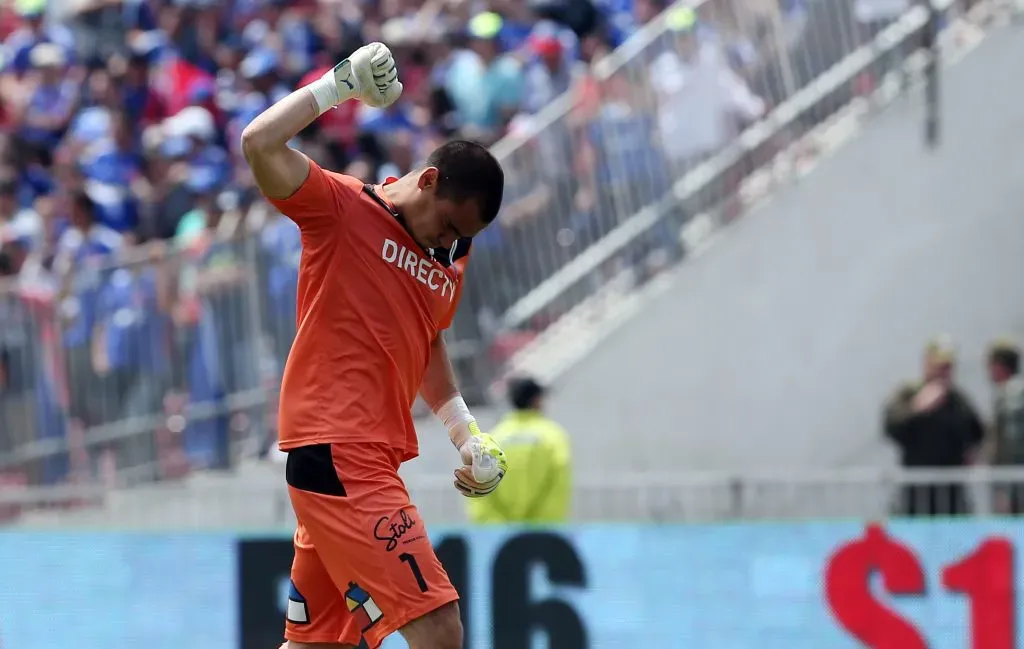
[{"x": 538, "y": 486}]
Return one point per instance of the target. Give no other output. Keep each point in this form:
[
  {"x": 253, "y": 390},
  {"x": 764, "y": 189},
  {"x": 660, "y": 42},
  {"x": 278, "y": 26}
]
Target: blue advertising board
[
  {"x": 90, "y": 591},
  {"x": 904, "y": 585}
]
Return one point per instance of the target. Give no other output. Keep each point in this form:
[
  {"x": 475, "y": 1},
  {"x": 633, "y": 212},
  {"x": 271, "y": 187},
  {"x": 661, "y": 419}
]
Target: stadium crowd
[
  {"x": 123, "y": 191},
  {"x": 143, "y": 272}
]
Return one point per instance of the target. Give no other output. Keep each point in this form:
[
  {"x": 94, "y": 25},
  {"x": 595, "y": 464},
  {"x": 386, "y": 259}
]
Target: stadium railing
[
  {"x": 166, "y": 361},
  {"x": 260, "y": 502},
  {"x": 603, "y": 183},
  {"x": 171, "y": 360}
]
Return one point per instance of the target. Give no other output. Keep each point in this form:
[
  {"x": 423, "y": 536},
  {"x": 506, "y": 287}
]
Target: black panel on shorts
[{"x": 311, "y": 468}]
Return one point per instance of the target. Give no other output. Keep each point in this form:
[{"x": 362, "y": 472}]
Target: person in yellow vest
[{"x": 538, "y": 486}]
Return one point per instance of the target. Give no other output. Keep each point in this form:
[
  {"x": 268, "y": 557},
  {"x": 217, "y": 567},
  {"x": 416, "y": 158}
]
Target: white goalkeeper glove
[
  {"x": 483, "y": 464},
  {"x": 483, "y": 461},
  {"x": 369, "y": 75}
]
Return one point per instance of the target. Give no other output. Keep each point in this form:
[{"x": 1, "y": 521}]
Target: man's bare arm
[
  {"x": 278, "y": 169},
  {"x": 438, "y": 386},
  {"x": 369, "y": 75},
  {"x": 440, "y": 392}
]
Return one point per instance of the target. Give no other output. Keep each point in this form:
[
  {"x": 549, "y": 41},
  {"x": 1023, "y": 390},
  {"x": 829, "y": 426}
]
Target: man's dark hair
[
  {"x": 523, "y": 392},
  {"x": 1006, "y": 356},
  {"x": 468, "y": 171}
]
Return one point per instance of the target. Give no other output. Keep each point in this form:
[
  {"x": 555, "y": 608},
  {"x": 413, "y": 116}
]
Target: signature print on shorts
[{"x": 392, "y": 530}]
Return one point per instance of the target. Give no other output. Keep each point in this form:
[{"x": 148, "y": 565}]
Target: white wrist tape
[
  {"x": 456, "y": 417},
  {"x": 325, "y": 92}
]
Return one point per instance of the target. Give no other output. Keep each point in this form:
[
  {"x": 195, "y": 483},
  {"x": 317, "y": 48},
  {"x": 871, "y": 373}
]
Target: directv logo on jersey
[
  {"x": 422, "y": 269},
  {"x": 362, "y": 606}
]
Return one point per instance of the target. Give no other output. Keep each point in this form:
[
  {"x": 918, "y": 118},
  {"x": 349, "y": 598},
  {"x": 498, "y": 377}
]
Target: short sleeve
[{"x": 320, "y": 201}]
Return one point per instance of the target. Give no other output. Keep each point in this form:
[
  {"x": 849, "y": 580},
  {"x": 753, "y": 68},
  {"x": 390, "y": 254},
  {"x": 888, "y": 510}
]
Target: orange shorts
[{"x": 363, "y": 565}]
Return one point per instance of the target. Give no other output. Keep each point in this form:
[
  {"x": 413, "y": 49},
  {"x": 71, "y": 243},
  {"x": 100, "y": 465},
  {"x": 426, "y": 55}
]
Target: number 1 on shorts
[{"x": 411, "y": 560}]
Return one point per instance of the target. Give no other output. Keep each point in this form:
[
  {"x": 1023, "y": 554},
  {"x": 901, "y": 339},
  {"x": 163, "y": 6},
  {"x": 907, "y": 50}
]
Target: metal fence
[
  {"x": 258, "y": 499},
  {"x": 667, "y": 137},
  {"x": 165, "y": 361},
  {"x": 169, "y": 360}
]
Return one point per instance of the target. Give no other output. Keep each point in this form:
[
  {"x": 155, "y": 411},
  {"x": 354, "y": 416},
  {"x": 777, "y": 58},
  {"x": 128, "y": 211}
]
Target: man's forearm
[
  {"x": 438, "y": 384},
  {"x": 439, "y": 390},
  {"x": 288, "y": 117},
  {"x": 285, "y": 119}
]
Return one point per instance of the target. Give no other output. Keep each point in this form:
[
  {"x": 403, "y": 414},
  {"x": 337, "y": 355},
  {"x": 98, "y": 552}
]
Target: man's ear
[{"x": 428, "y": 178}]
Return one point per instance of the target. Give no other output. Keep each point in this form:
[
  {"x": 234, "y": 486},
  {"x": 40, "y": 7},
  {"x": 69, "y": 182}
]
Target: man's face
[
  {"x": 938, "y": 369},
  {"x": 485, "y": 48},
  {"x": 997, "y": 373},
  {"x": 686, "y": 46},
  {"x": 439, "y": 222},
  {"x": 34, "y": 22},
  {"x": 51, "y": 75}
]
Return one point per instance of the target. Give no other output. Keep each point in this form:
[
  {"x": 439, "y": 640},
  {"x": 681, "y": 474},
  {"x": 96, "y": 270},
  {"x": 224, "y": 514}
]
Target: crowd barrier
[
  {"x": 171, "y": 360},
  {"x": 165, "y": 361},
  {"x": 257, "y": 498},
  {"x": 908, "y": 585},
  {"x": 611, "y": 179}
]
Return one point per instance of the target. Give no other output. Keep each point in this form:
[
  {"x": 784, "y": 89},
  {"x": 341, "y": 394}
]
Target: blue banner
[
  {"x": 100, "y": 591},
  {"x": 907, "y": 585},
  {"x": 902, "y": 585}
]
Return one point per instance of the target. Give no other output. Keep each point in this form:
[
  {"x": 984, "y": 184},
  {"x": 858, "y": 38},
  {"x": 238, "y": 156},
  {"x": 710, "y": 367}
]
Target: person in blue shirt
[
  {"x": 84, "y": 252},
  {"x": 35, "y": 30},
  {"x": 549, "y": 73},
  {"x": 131, "y": 343},
  {"x": 115, "y": 176},
  {"x": 220, "y": 344},
  {"x": 51, "y": 101},
  {"x": 143, "y": 106},
  {"x": 485, "y": 84}
]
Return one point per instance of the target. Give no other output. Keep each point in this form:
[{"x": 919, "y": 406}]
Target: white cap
[
  {"x": 48, "y": 55},
  {"x": 194, "y": 121}
]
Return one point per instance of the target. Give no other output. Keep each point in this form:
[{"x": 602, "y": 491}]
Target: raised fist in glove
[{"x": 369, "y": 75}]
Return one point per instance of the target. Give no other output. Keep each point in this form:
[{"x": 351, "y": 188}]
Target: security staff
[{"x": 538, "y": 486}]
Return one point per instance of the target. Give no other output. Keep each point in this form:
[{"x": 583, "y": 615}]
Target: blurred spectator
[
  {"x": 131, "y": 354},
  {"x": 694, "y": 79},
  {"x": 32, "y": 31},
  {"x": 17, "y": 363},
  {"x": 1008, "y": 418},
  {"x": 538, "y": 486},
  {"x": 934, "y": 425},
  {"x": 19, "y": 224},
  {"x": 49, "y": 100},
  {"x": 484, "y": 83},
  {"x": 114, "y": 170},
  {"x": 84, "y": 252},
  {"x": 552, "y": 72}
]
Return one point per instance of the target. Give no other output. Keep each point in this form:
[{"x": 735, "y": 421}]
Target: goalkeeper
[{"x": 379, "y": 281}]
